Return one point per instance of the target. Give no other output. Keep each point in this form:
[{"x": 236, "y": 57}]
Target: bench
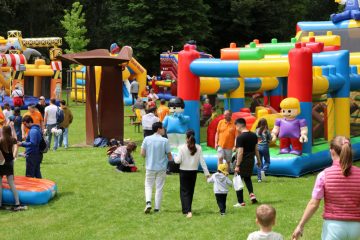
[
  {"x": 136, "y": 125},
  {"x": 132, "y": 118}
]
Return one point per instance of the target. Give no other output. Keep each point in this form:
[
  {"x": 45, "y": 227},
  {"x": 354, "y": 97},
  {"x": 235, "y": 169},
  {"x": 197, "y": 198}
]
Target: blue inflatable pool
[{"x": 32, "y": 191}]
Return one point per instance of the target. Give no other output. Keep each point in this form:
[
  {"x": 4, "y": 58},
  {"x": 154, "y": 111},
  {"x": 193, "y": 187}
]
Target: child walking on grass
[
  {"x": 221, "y": 183},
  {"x": 264, "y": 138},
  {"x": 265, "y": 218}
]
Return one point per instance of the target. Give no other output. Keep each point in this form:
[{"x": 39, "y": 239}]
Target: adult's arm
[
  {"x": 15, "y": 150},
  {"x": 257, "y": 154},
  {"x": 203, "y": 164},
  {"x": 310, "y": 209},
  {"x": 216, "y": 140},
  {"x": 45, "y": 117},
  {"x": 143, "y": 152},
  {"x": 22, "y": 130},
  {"x": 170, "y": 158},
  {"x": 71, "y": 117},
  {"x": 168, "y": 151},
  {"x": 240, "y": 152},
  {"x": 34, "y": 141},
  {"x": 179, "y": 157}
]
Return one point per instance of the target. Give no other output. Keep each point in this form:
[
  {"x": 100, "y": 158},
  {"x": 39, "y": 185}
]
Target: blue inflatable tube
[
  {"x": 32, "y": 191},
  {"x": 285, "y": 164}
]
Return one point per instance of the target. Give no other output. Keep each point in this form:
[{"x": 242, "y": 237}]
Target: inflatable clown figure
[
  {"x": 351, "y": 11},
  {"x": 176, "y": 124},
  {"x": 291, "y": 131}
]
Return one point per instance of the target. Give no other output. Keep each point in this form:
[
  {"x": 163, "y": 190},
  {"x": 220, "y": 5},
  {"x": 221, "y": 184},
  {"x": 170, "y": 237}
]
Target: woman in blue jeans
[
  {"x": 264, "y": 136},
  {"x": 121, "y": 157}
]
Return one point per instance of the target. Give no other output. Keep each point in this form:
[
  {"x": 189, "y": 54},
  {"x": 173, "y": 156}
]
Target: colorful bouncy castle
[
  {"x": 320, "y": 67},
  {"x": 22, "y": 66}
]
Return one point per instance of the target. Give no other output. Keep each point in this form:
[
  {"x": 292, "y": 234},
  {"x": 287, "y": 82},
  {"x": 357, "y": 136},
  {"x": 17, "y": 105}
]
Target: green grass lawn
[{"x": 95, "y": 202}]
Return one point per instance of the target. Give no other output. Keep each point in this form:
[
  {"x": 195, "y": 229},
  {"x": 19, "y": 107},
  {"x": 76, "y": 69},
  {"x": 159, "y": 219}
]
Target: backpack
[
  {"x": 59, "y": 116},
  {"x": 44, "y": 144},
  {"x": 100, "y": 142}
]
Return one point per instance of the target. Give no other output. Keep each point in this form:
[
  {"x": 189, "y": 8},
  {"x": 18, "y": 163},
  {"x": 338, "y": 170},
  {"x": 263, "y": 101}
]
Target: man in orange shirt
[
  {"x": 37, "y": 118},
  {"x": 225, "y": 138},
  {"x": 162, "y": 110}
]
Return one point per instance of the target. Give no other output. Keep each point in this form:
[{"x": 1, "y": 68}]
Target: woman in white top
[{"x": 189, "y": 156}]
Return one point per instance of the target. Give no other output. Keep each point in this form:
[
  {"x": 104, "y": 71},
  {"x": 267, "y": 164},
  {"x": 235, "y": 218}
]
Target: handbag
[
  {"x": 237, "y": 182},
  {"x": 2, "y": 159}
]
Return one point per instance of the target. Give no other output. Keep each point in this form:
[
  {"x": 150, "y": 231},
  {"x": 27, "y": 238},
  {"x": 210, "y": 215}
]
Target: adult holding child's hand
[
  {"x": 338, "y": 185},
  {"x": 189, "y": 157}
]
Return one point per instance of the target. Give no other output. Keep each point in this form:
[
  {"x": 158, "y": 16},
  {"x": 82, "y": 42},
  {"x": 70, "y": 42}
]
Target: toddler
[
  {"x": 265, "y": 218},
  {"x": 221, "y": 183}
]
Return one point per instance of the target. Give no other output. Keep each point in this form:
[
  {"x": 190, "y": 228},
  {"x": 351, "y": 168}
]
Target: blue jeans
[
  {"x": 264, "y": 158},
  {"x": 49, "y": 135},
  {"x": 117, "y": 162},
  {"x": 64, "y": 138},
  {"x": 33, "y": 162}
]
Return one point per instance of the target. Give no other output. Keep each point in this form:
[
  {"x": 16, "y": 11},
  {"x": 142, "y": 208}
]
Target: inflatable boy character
[
  {"x": 291, "y": 131},
  {"x": 177, "y": 123},
  {"x": 351, "y": 11}
]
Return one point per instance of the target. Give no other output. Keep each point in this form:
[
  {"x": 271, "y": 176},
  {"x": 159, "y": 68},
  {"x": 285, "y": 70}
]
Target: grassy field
[{"x": 96, "y": 202}]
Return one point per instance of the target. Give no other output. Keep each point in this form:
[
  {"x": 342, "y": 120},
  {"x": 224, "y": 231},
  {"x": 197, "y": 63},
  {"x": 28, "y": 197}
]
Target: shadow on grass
[{"x": 60, "y": 196}]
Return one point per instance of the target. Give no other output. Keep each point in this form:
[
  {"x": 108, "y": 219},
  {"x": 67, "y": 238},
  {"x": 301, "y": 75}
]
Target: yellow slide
[{"x": 139, "y": 72}]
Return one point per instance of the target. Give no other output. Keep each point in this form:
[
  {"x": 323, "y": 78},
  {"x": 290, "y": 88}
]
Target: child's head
[
  {"x": 7, "y": 106},
  {"x": 262, "y": 124},
  {"x": 223, "y": 168},
  {"x": 17, "y": 111},
  {"x": 265, "y": 215}
]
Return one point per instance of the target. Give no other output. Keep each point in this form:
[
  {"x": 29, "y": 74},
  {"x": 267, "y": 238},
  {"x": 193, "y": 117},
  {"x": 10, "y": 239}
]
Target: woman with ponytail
[
  {"x": 338, "y": 185},
  {"x": 189, "y": 157}
]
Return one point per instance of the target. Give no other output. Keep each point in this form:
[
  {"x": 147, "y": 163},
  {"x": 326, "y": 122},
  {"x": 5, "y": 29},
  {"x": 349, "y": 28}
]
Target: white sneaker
[
  {"x": 263, "y": 175},
  {"x": 147, "y": 208},
  {"x": 239, "y": 205}
]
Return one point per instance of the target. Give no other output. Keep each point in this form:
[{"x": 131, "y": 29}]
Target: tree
[
  {"x": 151, "y": 27},
  {"x": 74, "y": 24}
]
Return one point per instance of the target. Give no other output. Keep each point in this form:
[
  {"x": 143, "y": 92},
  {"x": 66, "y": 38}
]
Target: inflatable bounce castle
[
  {"x": 320, "y": 67},
  {"x": 24, "y": 67}
]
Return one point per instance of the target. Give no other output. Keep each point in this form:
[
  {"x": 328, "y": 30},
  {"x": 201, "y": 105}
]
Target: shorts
[
  {"x": 225, "y": 154},
  {"x": 333, "y": 230}
]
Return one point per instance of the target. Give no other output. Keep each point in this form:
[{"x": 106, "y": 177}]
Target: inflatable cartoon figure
[
  {"x": 177, "y": 123},
  {"x": 352, "y": 11},
  {"x": 291, "y": 131}
]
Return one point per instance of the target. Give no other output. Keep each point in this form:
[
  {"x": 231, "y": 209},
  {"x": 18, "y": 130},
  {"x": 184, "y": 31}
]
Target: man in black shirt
[
  {"x": 41, "y": 105},
  {"x": 246, "y": 146}
]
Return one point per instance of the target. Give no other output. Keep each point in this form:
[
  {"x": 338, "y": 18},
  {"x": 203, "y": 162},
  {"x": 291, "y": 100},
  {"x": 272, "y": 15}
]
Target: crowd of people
[
  {"x": 341, "y": 219},
  {"x": 29, "y": 131}
]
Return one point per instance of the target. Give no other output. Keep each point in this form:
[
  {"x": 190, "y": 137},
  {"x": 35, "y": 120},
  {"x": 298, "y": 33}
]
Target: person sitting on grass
[
  {"x": 121, "y": 157},
  {"x": 265, "y": 218}
]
